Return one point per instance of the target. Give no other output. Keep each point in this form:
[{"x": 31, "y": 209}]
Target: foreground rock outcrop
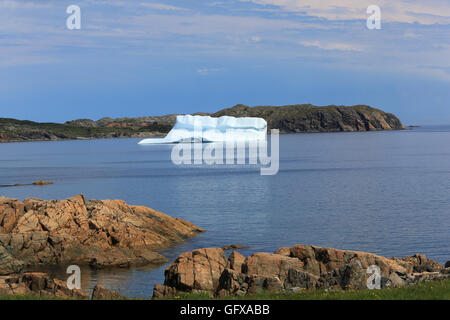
[
  {"x": 42, "y": 285},
  {"x": 102, "y": 233},
  {"x": 291, "y": 268}
]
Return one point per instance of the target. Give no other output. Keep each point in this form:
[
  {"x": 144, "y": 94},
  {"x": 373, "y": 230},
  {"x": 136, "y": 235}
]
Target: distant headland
[{"x": 288, "y": 119}]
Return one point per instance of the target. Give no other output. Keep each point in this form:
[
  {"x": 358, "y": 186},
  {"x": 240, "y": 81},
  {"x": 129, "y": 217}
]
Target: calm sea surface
[{"x": 382, "y": 192}]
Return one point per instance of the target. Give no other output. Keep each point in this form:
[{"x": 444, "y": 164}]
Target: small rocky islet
[{"x": 35, "y": 183}]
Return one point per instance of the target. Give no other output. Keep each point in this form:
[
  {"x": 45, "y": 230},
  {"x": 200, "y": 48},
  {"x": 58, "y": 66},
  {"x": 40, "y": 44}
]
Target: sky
[{"x": 140, "y": 58}]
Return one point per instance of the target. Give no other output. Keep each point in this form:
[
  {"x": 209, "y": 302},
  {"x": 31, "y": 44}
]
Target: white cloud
[
  {"x": 332, "y": 46},
  {"x": 161, "y": 6},
  {"x": 12, "y": 4},
  {"x": 206, "y": 71},
  {"x": 425, "y": 12}
]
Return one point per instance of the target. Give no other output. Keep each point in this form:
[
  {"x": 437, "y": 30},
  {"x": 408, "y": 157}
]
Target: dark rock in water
[
  {"x": 234, "y": 246},
  {"x": 41, "y": 183},
  {"x": 291, "y": 269},
  {"x": 447, "y": 264},
  {"x": 102, "y": 234},
  {"x": 36, "y": 183}
]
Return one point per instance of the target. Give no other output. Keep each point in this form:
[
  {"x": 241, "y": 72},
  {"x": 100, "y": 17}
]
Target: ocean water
[{"x": 384, "y": 192}]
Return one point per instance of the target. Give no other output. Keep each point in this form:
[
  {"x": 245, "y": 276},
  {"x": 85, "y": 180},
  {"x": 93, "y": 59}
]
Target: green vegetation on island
[
  {"x": 288, "y": 119},
  {"x": 22, "y": 130}
]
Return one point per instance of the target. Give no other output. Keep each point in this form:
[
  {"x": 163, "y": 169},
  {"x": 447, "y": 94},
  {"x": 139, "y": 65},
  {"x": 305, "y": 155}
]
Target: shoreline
[
  {"x": 159, "y": 136},
  {"x": 298, "y": 118},
  {"x": 291, "y": 269},
  {"x": 98, "y": 233},
  {"x": 340, "y": 278}
]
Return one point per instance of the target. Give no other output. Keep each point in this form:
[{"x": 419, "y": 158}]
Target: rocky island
[
  {"x": 288, "y": 119},
  {"x": 99, "y": 233}
]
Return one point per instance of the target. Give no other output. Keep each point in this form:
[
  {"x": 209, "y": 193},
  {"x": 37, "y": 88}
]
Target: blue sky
[{"x": 139, "y": 58}]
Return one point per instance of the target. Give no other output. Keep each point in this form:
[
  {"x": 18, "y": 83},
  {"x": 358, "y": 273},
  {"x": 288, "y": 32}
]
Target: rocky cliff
[
  {"x": 290, "y": 269},
  {"x": 101, "y": 233},
  {"x": 309, "y": 118},
  {"x": 294, "y": 118}
]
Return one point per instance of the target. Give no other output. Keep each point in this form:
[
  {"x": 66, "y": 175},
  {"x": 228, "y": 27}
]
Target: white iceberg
[{"x": 190, "y": 129}]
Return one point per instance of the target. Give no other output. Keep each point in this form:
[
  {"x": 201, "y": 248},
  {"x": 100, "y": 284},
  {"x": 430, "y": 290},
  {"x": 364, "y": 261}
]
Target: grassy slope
[{"x": 434, "y": 290}]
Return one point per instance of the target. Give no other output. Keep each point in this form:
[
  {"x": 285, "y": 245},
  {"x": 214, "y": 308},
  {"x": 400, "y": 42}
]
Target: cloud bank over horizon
[{"x": 150, "y": 45}]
